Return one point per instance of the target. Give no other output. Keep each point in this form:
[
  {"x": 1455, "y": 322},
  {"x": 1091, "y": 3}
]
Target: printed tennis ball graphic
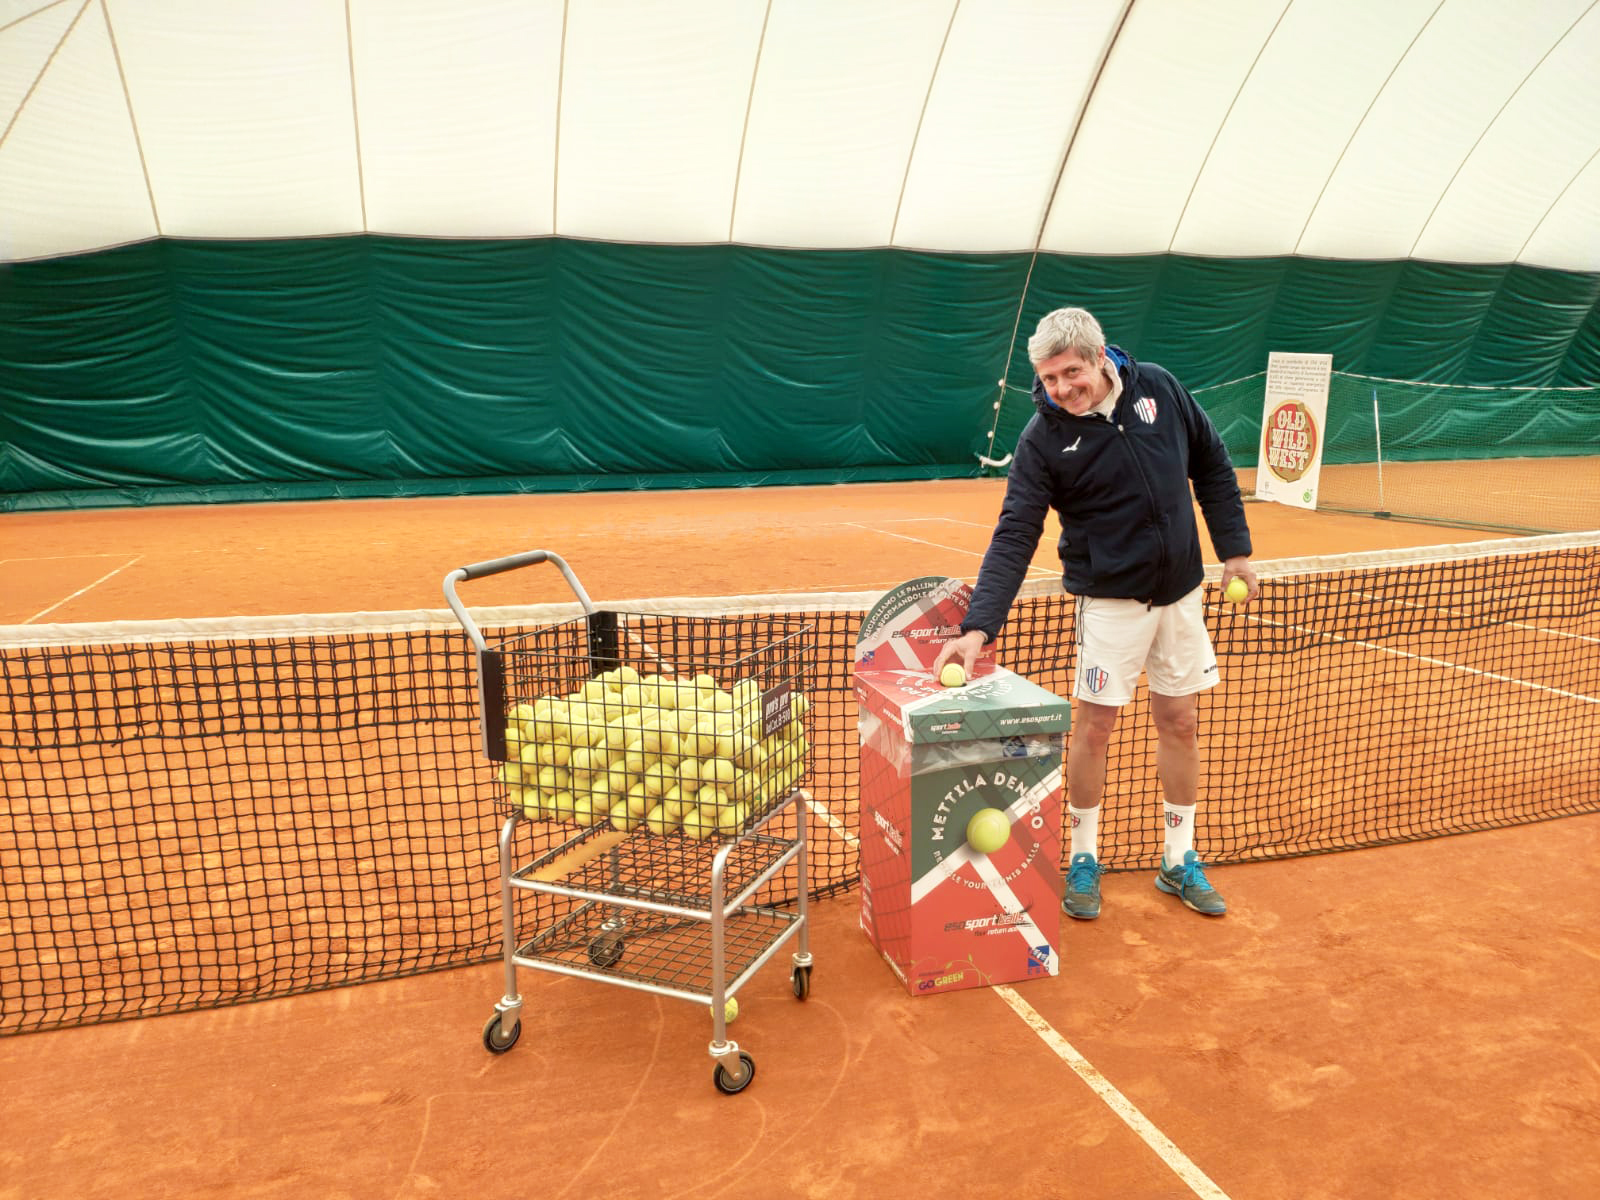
[
  {"x": 730, "y": 1010},
  {"x": 1236, "y": 590},
  {"x": 988, "y": 830},
  {"x": 953, "y": 675}
]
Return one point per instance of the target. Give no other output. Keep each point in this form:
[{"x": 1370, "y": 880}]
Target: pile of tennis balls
[{"x": 666, "y": 753}]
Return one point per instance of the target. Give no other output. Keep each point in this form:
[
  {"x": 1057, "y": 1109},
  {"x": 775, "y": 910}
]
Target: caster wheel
[
  {"x": 497, "y": 1039},
  {"x": 606, "y": 951},
  {"x": 801, "y": 981},
  {"x": 730, "y": 1084}
]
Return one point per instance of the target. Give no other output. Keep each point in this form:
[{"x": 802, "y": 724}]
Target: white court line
[
  {"x": 1436, "y": 662},
  {"x": 1457, "y": 612},
  {"x": 1197, "y": 1180},
  {"x": 924, "y": 520},
  {"x": 935, "y": 545},
  {"x": 839, "y": 827},
  {"x": 33, "y": 558},
  {"x": 84, "y": 588}
]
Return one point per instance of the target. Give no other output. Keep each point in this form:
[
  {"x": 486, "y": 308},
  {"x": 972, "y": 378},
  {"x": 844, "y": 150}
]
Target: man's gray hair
[{"x": 1066, "y": 329}]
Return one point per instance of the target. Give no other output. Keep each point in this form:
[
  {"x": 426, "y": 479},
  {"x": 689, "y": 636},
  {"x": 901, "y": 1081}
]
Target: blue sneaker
[
  {"x": 1083, "y": 888},
  {"x": 1189, "y": 884}
]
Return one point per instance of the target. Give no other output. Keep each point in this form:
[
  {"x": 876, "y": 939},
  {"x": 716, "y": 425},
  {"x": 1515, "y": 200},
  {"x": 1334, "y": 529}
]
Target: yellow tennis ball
[
  {"x": 730, "y": 1010},
  {"x": 988, "y": 830},
  {"x": 1236, "y": 591},
  {"x": 699, "y": 823},
  {"x": 953, "y": 675}
]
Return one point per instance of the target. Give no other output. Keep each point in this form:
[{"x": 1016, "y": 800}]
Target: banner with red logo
[{"x": 1293, "y": 421}]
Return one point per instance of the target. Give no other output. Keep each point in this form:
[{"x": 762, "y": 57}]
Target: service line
[
  {"x": 83, "y": 589},
  {"x": 1032, "y": 570},
  {"x": 1197, "y": 1180}
]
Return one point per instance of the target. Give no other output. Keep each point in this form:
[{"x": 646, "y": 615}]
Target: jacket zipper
[{"x": 1155, "y": 514}]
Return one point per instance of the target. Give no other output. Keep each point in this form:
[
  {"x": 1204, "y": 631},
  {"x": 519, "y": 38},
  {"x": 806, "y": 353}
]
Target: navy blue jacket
[{"x": 1121, "y": 489}]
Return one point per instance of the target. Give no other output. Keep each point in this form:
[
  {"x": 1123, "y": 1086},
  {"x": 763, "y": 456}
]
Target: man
[{"x": 1112, "y": 449}]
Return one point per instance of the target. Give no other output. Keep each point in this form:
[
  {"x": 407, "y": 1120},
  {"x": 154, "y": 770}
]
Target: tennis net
[{"x": 210, "y": 812}]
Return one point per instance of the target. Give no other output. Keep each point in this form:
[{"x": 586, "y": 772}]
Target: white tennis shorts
[{"x": 1119, "y": 638}]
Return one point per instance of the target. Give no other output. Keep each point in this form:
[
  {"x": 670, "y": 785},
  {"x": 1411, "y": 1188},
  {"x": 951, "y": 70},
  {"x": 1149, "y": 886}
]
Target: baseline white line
[
  {"x": 1197, "y": 1180},
  {"x": 82, "y": 590},
  {"x": 936, "y": 545}
]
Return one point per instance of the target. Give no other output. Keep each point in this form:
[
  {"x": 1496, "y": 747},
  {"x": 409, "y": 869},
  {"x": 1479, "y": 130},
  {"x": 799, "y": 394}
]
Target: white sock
[
  {"x": 1085, "y": 829},
  {"x": 1179, "y": 823}
]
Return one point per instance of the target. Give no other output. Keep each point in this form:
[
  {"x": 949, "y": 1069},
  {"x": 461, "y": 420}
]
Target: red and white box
[{"x": 943, "y": 913}]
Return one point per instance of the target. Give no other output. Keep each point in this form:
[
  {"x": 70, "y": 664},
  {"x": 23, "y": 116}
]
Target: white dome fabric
[{"x": 1449, "y": 130}]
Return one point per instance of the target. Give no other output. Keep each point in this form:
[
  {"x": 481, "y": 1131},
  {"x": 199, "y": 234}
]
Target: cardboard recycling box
[{"x": 944, "y": 913}]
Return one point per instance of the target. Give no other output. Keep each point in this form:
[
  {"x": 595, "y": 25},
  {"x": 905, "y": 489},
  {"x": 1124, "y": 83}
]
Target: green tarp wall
[{"x": 182, "y": 371}]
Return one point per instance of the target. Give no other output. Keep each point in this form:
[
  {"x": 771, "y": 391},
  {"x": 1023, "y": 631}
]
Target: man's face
[{"x": 1075, "y": 383}]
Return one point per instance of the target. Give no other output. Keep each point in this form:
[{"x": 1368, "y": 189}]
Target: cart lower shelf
[
  {"x": 643, "y": 868},
  {"x": 654, "y": 952},
  {"x": 659, "y": 914}
]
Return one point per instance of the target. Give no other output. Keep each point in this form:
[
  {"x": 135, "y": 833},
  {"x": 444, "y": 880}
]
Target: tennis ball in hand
[
  {"x": 730, "y": 1010},
  {"x": 988, "y": 830},
  {"x": 953, "y": 675},
  {"x": 1236, "y": 590}
]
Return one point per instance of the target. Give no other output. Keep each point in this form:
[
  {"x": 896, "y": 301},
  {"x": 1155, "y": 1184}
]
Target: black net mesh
[{"x": 199, "y": 821}]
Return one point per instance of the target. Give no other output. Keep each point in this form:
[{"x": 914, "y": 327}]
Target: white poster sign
[{"x": 1292, "y": 423}]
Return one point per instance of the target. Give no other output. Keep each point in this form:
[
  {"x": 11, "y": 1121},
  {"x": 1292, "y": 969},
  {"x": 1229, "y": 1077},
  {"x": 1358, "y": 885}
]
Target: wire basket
[{"x": 680, "y": 726}]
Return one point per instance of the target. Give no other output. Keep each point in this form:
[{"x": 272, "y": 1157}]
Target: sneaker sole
[
  {"x": 1163, "y": 886},
  {"x": 1094, "y": 916}
]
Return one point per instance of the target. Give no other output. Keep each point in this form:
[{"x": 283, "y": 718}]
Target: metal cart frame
[{"x": 610, "y": 893}]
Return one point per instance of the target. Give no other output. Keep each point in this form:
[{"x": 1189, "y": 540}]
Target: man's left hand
[{"x": 1240, "y": 568}]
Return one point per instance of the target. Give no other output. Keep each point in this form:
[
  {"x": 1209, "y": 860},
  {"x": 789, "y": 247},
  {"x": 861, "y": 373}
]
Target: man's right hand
[{"x": 964, "y": 649}]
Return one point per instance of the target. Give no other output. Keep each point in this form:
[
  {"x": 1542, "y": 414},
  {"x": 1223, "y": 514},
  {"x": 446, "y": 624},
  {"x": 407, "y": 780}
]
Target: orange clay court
[{"x": 1411, "y": 1021}]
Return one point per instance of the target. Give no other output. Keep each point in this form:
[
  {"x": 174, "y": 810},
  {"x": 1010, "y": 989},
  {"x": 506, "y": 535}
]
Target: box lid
[
  {"x": 910, "y": 624},
  {"x": 1000, "y": 704}
]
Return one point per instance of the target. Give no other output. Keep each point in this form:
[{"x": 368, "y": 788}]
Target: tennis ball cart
[{"x": 649, "y": 769}]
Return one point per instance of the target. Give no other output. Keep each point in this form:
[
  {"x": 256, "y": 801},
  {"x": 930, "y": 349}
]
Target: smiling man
[{"x": 1113, "y": 449}]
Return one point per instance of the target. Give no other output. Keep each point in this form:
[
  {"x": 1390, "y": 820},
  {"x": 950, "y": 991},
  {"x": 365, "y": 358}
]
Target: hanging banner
[{"x": 1292, "y": 423}]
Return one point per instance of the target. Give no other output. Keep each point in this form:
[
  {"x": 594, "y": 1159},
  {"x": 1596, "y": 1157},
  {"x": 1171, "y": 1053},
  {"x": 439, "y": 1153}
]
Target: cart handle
[{"x": 495, "y": 566}]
